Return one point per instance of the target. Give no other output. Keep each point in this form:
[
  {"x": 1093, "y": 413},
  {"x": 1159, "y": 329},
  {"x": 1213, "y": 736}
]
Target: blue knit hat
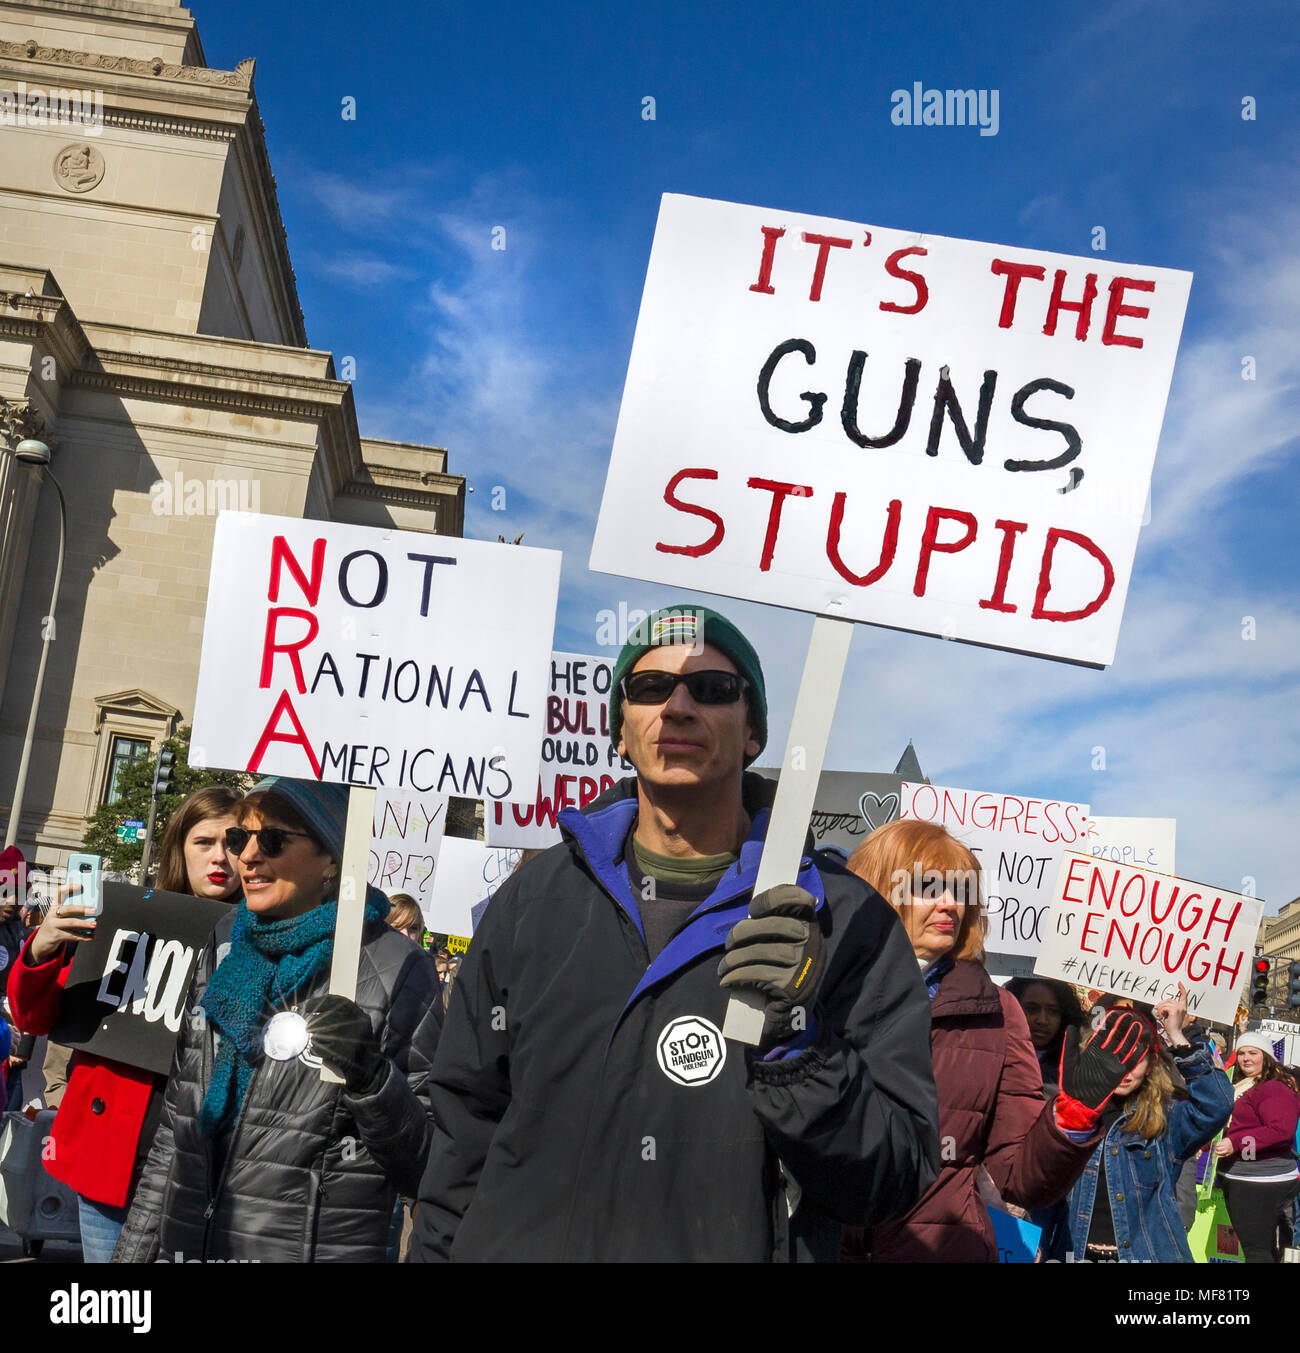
[{"x": 323, "y": 807}]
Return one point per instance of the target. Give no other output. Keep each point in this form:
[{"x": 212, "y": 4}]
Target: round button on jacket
[{"x": 97, "y": 1105}]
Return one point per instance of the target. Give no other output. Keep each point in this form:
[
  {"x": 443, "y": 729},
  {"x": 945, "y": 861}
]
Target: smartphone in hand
[{"x": 85, "y": 871}]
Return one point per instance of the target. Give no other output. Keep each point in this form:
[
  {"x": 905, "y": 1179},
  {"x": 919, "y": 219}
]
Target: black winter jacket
[
  {"x": 310, "y": 1171},
  {"x": 587, "y": 1107}
]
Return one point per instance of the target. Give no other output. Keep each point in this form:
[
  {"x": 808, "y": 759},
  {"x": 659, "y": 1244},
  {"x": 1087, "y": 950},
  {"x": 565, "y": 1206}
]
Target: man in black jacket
[{"x": 586, "y": 1104}]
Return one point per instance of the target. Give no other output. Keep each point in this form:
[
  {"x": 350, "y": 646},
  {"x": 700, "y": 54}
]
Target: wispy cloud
[{"x": 359, "y": 270}]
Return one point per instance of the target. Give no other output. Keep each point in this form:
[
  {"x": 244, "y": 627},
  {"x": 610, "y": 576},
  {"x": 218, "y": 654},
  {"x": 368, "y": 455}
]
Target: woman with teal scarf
[{"x": 257, "y": 1158}]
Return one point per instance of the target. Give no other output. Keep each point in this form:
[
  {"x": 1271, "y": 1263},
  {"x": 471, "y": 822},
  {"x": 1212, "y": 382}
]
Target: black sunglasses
[
  {"x": 271, "y": 841},
  {"x": 706, "y": 688}
]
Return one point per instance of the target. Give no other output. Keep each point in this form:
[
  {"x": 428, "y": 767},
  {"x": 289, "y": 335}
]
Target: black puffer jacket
[
  {"x": 587, "y": 1107},
  {"x": 310, "y": 1171}
]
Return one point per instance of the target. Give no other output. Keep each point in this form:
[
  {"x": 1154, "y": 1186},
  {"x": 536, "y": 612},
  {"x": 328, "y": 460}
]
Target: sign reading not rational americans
[
  {"x": 926, "y": 433},
  {"x": 392, "y": 659},
  {"x": 1138, "y": 933}
]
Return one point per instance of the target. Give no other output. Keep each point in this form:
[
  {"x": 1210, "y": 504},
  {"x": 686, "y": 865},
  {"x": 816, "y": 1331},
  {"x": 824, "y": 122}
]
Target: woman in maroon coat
[
  {"x": 1257, "y": 1155},
  {"x": 991, "y": 1106}
]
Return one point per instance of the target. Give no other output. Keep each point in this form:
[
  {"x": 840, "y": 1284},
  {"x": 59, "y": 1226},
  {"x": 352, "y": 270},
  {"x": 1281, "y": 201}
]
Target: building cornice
[
  {"x": 241, "y": 78},
  {"x": 162, "y": 124}
]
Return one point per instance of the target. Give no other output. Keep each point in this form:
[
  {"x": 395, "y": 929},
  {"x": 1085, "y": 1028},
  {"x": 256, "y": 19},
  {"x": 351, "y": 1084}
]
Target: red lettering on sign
[
  {"x": 780, "y": 491},
  {"x": 888, "y": 544},
  {"x": 1227, "y": 922},
  {"x": 1010, "y": 530},
  {"x": 824, "y": 243},
  {"x": 1056, "y": 534},
  {"x": 1069, "y": 879},
  {"x": 1014, "y": 273},
  {"x": 671, "y": 498},
  {"x": 931, "y": 545},
  {"x": 770, "y": 236},
  {"x": 282, "y": 555},
  {"x": 271, "y": 734},
  {"x": 905, "y": 275},
  {"x": 1116, "y": 308},
  {"x": 1082, "y": 307},
  {"x": 270, "y": 648}
]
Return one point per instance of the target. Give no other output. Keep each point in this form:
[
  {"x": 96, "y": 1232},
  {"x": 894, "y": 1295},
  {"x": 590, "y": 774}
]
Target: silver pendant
[{"x": 285, "y": 1036}]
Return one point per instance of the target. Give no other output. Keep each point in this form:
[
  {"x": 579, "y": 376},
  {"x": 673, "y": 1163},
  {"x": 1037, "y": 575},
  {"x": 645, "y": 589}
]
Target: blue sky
[{"x": 1124, "y": 115}]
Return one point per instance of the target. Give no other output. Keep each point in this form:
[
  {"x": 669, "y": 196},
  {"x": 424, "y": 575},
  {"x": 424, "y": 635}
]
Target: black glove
[
  {"x": 778, "y": 949},
  {"x": 1089, "y": 1076},
  {"x": 341, "y": 1036}
]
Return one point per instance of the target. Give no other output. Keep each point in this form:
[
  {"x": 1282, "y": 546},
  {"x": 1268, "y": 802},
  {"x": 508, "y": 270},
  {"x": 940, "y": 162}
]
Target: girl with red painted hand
[{"x": 1124, "y": 1208}]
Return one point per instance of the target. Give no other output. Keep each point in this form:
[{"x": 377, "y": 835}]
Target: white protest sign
[
  {"x": 579, "y": 762},
  {"x": 468, "y": 872},
  {"x": 391, "y": 659},
  {"x": 1019, "y": 842},
  {"x": 404, "y": 842},
  {"x": 1147, "y": 842},
  {"x": 926, "y": 433},
  {"x": 1138, "y": 933}
]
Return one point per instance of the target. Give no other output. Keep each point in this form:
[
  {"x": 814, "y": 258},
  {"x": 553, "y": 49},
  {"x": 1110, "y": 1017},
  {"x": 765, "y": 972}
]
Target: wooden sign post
[
  {"x": 350, "y": 921},
  {"x": 787, "y": 830}
]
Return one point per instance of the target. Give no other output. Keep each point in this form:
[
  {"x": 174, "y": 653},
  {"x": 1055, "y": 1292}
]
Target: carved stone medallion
[{"x": 79, "y": 167}]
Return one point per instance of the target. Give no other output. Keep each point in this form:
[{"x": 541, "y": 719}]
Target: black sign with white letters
[{"x": 125, "y": 994}]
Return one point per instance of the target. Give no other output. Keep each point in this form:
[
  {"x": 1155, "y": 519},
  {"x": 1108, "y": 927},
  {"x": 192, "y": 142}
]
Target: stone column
[{"x": 19, "y": 493}]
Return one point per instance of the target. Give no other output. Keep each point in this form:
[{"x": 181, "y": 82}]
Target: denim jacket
[{"x": 1141, "y": 1174}]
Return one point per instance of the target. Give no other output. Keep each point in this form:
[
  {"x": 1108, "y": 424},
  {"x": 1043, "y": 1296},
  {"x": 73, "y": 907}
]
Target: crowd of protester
[{"x": 562, "y": 1090}]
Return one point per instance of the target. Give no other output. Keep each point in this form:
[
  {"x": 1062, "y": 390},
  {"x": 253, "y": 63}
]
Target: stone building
[{"x": 151, "y": 335}]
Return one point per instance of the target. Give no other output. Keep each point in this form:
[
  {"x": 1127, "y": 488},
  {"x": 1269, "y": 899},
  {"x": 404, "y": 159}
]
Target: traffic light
[
  {"x": 1259, "y": 981},
  {"x": 1293, "y": 985},
  {"x": 162, "y": 779}
]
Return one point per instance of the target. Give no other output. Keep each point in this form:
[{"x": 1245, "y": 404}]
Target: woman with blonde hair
[
  {"x": 1124, "y": 1209},
  {"x": 991, "y": 1107},
  {"x": 406, "y": 916}
]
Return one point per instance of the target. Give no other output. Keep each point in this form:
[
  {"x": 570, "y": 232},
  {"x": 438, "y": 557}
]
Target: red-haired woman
[
  {"x": 108, "y": 1113},
  {"x": 991, "y": 1107}
]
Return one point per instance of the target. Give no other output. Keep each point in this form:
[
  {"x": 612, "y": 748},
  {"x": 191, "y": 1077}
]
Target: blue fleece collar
[{"x": 601, "y": 837}]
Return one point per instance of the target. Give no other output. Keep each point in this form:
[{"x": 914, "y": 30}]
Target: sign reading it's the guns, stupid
[
  {"x": 363, "y": 656},
  {"x": 925, "y": 433}
]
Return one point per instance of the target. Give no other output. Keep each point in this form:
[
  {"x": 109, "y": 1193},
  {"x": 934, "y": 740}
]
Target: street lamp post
[{"x": 31, "y": 452}]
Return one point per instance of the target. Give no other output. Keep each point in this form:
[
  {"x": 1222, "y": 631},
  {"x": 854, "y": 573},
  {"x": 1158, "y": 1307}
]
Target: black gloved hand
[
  {"x": 778, "y": 949},
  {"x": 342, "y": 1037},
  {"x": 1090, "y": 1075}
]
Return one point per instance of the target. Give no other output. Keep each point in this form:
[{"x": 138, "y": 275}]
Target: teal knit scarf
[{"x": 268, "y": 963}]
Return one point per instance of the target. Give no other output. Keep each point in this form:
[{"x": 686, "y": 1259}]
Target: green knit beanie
[{"x": 692, "y": 625}]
